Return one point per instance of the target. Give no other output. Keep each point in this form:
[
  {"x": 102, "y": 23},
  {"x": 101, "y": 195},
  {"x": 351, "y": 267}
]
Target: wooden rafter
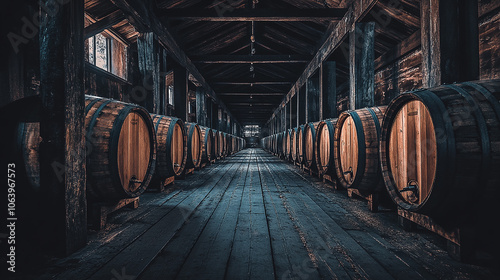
[{"x": 254, "y": 14}]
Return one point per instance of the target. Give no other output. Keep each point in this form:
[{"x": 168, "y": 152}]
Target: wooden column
[
  {"x": 361, "y": 65},
  {"x": 293, "y": 113},
  {"x": 214, "y": 118},
  {"x": 312, "y": 99},
  {"x": 149, "y": 65},
  {"x": 181, "y": 93},
  {"x": 301, "y": 106},
  {"x": 62, "y": 151},
  {"x": 328, "y": 90},
  {"x": 450, "y": 52},
  {"x": 201, "y": 111}
]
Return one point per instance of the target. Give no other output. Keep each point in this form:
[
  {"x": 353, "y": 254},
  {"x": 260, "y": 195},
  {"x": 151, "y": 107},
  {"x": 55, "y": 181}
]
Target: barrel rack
[
  {"x": 98, "y": 212},
  {"x": 459, "y": 240}
]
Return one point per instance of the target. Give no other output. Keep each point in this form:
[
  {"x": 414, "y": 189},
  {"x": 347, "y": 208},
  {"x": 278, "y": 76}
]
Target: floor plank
[{"x": 254, "y": 216}]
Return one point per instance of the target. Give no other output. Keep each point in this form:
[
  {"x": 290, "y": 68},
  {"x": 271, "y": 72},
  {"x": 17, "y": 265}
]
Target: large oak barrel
[
  {"x": 122, "y": 140},
  {"x": 117, "y": 133},
  {"x": 300, "y": 144},
  {"x": 324, "y": 147},
  {"x": 280, "y": 143},
  {"x": 293, "y": 144},
  {"x": 121, "y": 149},
  {"x": 356, "y": 149},
  {"x": 194, "y": 145},
  {"x": 440, "y": 149},
  {"x": 172, "y": 147},
  {"x": 230, "y": 144},
  {"x": 222, "y": 144},
  {"x": 208, "y": 147},
  {"x": 288, "y": 145},
  {"x": 216, "y": 144},
  {"x": 310, "y": 144}
]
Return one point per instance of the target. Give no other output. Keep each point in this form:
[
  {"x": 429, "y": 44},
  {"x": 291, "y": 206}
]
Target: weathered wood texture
[
  {"x": 62, "y": 128},
  {"x": 489, "y": 41},
  {"x": 443, "y": 61},
  {"x": 361, "y": 65},
  {"x": 402, "y": 75},
  {"x": 253, "y": 217}
]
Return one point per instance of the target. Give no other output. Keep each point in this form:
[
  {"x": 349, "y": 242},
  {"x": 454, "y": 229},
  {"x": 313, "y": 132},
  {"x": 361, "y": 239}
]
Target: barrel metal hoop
[
  {"x": 331, "y": 132},
  {"x": 90, "y": 105},
  {"x": 375, "y": 120},
  {"x": 483, "y": 131},
  {"x": 361, "y": 148},
  {"x": 158, "y": 123},
  {"x": 88, "y": 136},
  {"x": 487, "y": 94}
]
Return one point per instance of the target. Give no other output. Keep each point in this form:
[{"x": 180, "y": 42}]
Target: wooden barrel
[
  {"x": 229, "y": 144},
  {"x": 172, "y": 147},
  {"x": 121, "y": 149},
  {"x": 356, "y": 149},
  {"x": 324, "y": 147},
  {"x": 234, "y": 144},
  {"x": 280, "y": 144},
  {"x": 222, "y": 144},
  {"x": 293, "y": 144},
  {"x": 194, "y": 145},
  {"x": 288, "y": 145},
  {"x": 216, "y": 144},
  {"x": 300, "y": 144},
  {"x": 208, "y": 147},
  {"x": 310, "y": 144},
  {"x": 440, "y": 149}
]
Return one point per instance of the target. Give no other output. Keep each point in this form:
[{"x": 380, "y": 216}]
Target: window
[{"x": 107, "y": 53}]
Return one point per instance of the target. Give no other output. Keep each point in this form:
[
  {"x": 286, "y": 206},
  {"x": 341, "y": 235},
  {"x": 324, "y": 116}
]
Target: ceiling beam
[
  {"x": 251, "y": 93},
  {"x": 251, "y": 59},
  {"x": 256, "y": 83},
  {"x": 254, "y": 14},
  {"x": 253, "y": 104},
  {"x": 104, "y": 23}
]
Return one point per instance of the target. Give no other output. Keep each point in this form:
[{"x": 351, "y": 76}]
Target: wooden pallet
[
  {"x": 308, "y": 170},
  {"x": 163, "y": 185},
  {"x": 459, "y": 240},
  {"x": 98, "y": 212},
  {"x": 372, "y": 199},
  {"x": 331, "y": 181}
]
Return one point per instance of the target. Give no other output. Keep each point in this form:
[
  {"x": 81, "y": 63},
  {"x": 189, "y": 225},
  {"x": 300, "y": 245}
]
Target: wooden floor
[{"x": 253, "y": 216}]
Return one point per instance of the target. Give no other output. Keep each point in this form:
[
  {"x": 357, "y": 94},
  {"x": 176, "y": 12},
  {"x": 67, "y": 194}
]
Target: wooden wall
[
  {"x": 402, "y": 75},
  {"x": 489, "y": 43}
]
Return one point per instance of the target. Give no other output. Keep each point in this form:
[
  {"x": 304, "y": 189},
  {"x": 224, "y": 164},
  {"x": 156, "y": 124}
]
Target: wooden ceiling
[{"x": 216, "y": 35}]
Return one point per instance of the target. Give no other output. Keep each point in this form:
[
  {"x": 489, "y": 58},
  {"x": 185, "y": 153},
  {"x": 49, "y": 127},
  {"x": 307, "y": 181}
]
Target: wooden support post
[
  {"x": 181, "y": 93},
  {"x": 215, "y": 115},
  {"x": 62, "y": 151},
  {"x": 361, "y": 65},
  {"x": 328, "y": 90},
  {"x": 149, "y": 65},
  {"x": 301, "y": 106},
  {"x": 312, "y": 98},
  {"x": 200, "y": 107},
  {"x": 450, "y": 52},
  {"x": 293, "y": 113}
]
